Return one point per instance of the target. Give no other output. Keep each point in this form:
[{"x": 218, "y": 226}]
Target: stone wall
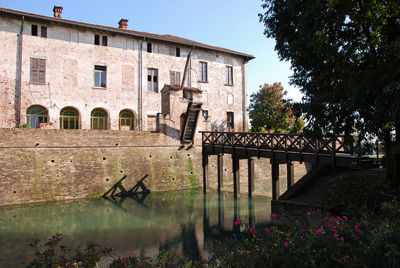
[{"x": 49, "y": 164}]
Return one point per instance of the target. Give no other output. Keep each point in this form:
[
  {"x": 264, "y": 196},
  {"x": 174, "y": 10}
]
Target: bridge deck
[{"x": 280, "y": 148}]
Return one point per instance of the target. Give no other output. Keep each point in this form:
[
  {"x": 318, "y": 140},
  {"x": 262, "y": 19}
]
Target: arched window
[
  {"x": 69, "y": 118},
  {"x": 99, "y": 119},
  {"x": 35, "y": 115},
  {"x": 127, "y": 120}
]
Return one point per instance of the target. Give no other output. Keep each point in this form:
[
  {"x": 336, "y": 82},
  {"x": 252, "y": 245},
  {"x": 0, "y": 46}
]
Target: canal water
[{"x": 183, "y": 222}]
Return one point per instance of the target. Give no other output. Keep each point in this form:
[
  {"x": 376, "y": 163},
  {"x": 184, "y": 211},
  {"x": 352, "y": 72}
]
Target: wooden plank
[
  {"x": 275, "y": 179},
  {"x": 236, "y": 175},
  {"x": 250, "y": 167},
  {"x": 290, "y": 174},
  {"x": 205, "y": 171},
  {"x": 220, "y": 163}
]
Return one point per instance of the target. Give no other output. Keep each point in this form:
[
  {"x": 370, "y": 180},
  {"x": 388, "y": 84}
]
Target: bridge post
[
  {"x": 290, "y": 174},
  {"x": 220, "y": 163},
  {"x": 275, "y": 178},
  {"x": 205, "y": 171},
  {"x": 250, "y": 167},
  {"x": 220, "y": 211},
  {"x": 236, "y": 175}
]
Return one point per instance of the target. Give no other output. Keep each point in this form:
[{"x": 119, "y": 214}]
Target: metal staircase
[{"x": 189, "y": 127}]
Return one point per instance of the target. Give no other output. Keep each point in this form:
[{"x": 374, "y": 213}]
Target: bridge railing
[{"x": 278, "y": 142}]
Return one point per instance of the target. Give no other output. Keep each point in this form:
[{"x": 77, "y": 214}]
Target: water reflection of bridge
[{"x": 196, "y": 238}]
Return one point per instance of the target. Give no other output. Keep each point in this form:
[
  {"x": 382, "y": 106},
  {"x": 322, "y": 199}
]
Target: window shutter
[
  {"x": 172, "y": 77},
  {"x": 34, "y": 70},
  {"x": 178, "y": 78},
  {"x": 42, "y": 71}
]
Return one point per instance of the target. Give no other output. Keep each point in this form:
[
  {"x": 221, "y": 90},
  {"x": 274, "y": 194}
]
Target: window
[
  {"x": 149, "y": 47},
  {"x": 43, "y": 31},
  {"x": 175, "y": 78},
  {"x": 205, "y": 114},
  {"x": 100, "y": 76},
  {"x": 34, "y": 30},
  {"x": 104, "y": 39},
  {"x": 152, "y": 79},
  {"x": 151, "y": 123},
  {"x": 229, "y": 75},
  {"x": 35, "y": 115},
  {"x": 99, "y": 119},
  {"x": 97, "y": 40},
  {"x": 126, "y": 120},
  {"x": 178, "y": 52},
  {"x": 69, "y": 118},
  {"x": 203, "y": 71},
  {"x": 230, "y": 99},
  {"x": 38, "y": 71},
  {"x": 229, "y": 121},
  {"x": 188, "y": 94}
]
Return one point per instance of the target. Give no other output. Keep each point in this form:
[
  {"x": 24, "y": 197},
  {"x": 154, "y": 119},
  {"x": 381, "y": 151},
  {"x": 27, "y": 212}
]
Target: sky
[{"x": 232, "y": 24}]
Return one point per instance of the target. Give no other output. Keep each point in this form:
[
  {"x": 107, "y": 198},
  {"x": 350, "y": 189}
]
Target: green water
[{"x": 184, "y": 222}]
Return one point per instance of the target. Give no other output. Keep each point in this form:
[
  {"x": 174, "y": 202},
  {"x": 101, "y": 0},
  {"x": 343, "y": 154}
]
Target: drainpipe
[
  {"x": 19, "y": 80},
  {"x": 244, "y": 97},
  {"x": 140, "y": 98}
]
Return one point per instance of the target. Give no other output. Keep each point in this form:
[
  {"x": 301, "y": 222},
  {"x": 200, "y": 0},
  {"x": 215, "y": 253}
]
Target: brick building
[{"x": 84, "y": 76}]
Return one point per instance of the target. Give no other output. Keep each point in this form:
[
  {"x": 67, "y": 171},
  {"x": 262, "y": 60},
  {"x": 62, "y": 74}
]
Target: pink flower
[
  {"x": 319, "y": 231},
  {"x": 317, "y": 210},
  {"x": 346, "y": 257},
  {"x": 252, "y": 230},
  {"x": 237, "y": 222},
  {"x": 308, "y": 213},
  {"x": 274, "y": 216},
  {"x": 326, "y": 219},
  {"x": 342, "y": 239},
  {"x": 301, "y": 231},
  {"x": 261, "y": 239},
  {"x": 345, "y": 218},
  {"x": 267, "y": 230},
  {"x": 366, "y": 224},
  {"x": 356, "y": 226},
  {"x": 247, "y": 240},
  {"x": 372, "y": 213},
  {"x": 358, "y": 231},
  {"x": 335, "y": 235},
  {"x": 286, "y": 244}
]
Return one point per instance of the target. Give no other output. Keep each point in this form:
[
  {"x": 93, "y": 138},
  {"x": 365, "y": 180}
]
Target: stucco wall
[{"x": 70, "y": 59}]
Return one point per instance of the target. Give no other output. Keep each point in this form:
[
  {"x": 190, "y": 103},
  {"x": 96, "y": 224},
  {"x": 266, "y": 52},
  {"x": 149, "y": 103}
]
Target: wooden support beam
[
  {"x": 250, "y": 167},
  {"x": 290, "y": 174},
  {"x": 236, "y": 175},
  {"x": 205, "y": 171},
  {"x": 220, "y": 171},
  {"x": 275, "y": 178}
]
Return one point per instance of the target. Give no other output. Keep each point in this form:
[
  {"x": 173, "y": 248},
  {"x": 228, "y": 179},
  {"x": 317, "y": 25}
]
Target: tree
[
  {"x": 269, "y": 110},
  {"x": 345, "y": 56}
]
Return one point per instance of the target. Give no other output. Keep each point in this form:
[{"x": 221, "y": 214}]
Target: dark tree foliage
[{"x": 345, "y": 57}]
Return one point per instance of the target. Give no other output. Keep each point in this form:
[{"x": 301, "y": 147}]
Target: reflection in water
[{"x": 184, "y": 222}]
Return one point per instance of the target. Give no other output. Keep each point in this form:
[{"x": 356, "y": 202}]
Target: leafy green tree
[
  {"x": 345, "y": 56},
  {"x": 269, "y": 110}
]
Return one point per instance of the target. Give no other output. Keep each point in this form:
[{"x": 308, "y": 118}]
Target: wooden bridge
[{"x": 280, "y": 149}]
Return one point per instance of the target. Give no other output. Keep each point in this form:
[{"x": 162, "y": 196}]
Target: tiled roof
[
  {"x": 161, "y": 37},
  {"x": 173, "y": 87}
]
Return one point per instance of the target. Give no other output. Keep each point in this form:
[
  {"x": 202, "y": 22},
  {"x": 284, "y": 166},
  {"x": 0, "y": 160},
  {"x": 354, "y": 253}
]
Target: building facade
[{"x": 57, "y": 73}]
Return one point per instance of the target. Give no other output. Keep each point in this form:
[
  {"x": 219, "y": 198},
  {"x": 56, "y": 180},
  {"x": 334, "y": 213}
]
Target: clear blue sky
[{"x": 230, "y": 24}]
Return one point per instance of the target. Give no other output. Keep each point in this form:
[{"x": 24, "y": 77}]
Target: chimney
[
  {"x": 57, "y": 11},
  {"x": 123, "y": 24}
]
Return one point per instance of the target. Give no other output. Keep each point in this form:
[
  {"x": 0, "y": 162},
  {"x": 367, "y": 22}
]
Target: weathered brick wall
[{"x": 41, "y": 165}]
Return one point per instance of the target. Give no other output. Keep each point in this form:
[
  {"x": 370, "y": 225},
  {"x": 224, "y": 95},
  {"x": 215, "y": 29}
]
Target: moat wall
[{"x": 39, "y": 165}]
